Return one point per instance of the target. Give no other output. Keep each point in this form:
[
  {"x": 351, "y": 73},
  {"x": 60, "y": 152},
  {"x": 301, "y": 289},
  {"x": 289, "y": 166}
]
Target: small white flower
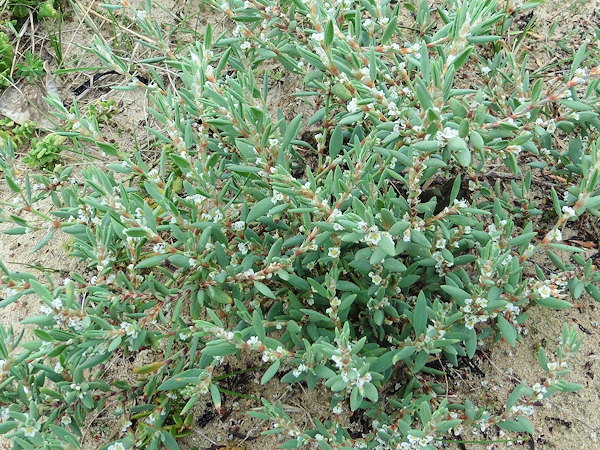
[
  {"x": 555, "y": 235},
  {"x": 334, "y": 252},
  {"x": 375, "y": 278},
  {"x": 29, "y": 431},
  {"x": 57, "y": 303},
  {"x": 470, "y": 321},
  {"x": 485, "y": 70},
  {"x": 119, "y": 445},
  {"x": 568, "y": 212},
  {"x": 373, "y": 237},
  {"x": 253, "y": 341},
  {"x": 440, "y": 243},
  {"x": 580, "y": 76},
  {"x": 65, "y": 420},
  {"x": 352, "y": 105},
  {"x": 544, "y": 291},
  {"x": 445, "y": 134},
  {"x": 243, "y": 248},
  {"x": 129, "y": 329},
  {"x": 319, "y": 37},
  {"x": 277, "y": 196}
]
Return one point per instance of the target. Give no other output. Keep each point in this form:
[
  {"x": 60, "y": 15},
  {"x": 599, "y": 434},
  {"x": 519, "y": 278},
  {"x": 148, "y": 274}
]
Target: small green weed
[{"x": 45, "y": 152}]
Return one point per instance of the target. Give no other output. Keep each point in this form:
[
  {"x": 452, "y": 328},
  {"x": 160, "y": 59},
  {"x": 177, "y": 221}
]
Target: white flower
[
  {"x": 514, "y": 149},
  {"x": 440, "y": 243},
  {"x": 373, "y": 237},
  {"x": 568, "y": 212},
  {"x": 57, "y": 303},
  {"x": 253, "y": 341},
  {"x": 129, "y": 329},
  {"x": 439, "y": 258},
  {"x": 482, "y": 302},
  {"x": 554, "y": 235},
  {"x": 352, "y": 105},
  {"x": 447, "y": 133},
  {"x": 192, "y": 262},
  {"x": 334, "y": 252},
  {"x": 375, "y": 278},
  {"x": 544, "y": 291},
  {"x": 119, "y": 445},
  {"x": 580, "y": 76},
  {"x": 29, "y": 431},
  {"x": 319, "y": 37},
  {"x": 243, "y": 248},
  {"x": 485, "y": 70},
  {"x": 337, "y": 227},
  {"x": 470, "y": 321},
  {"x": 277, "y": 196},
  {"x": 65, "y": 420}
]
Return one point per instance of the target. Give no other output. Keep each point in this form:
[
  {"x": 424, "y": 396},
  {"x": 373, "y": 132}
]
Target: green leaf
[
  {"x": 264, "y": 290},
  {"x": 578, "y": 59},
  {"x": 387, "y": 245},
  {"x": 270, "y": 372},
  {"x": 260, "y": 209},
  {"x": 456, "y": 293},
  {"x": 420, "y": 314},
  {"x": 328, "y": 33},
  {"x": 371, "y": 392},
  {"x": 519, "y": 425},
  {"x": 152, "y": 261},
  {"x": 403, "y": 354},
  {"x": 290, "y": 132},
  {"x": 507, "y": 330},
  {"x": 355, "y": 399},
  {"x": 168, "y": 440}
]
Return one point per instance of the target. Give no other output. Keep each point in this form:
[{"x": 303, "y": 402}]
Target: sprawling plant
[{"x": 355, "y": 247}]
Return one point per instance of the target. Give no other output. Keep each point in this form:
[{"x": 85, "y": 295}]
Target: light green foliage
[
  {"x": 6, "y": 57},
  {"x": 42, "y": 8},
  {"x": 32, "y": 68},
  {"x": 19, "y": 134},
  {"x": 349, "y": 247},
  {"x": 45, "y": 153}
]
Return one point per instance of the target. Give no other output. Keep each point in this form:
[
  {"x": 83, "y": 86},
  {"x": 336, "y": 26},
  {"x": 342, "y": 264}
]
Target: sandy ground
[{"x": 568, "y": 422}]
